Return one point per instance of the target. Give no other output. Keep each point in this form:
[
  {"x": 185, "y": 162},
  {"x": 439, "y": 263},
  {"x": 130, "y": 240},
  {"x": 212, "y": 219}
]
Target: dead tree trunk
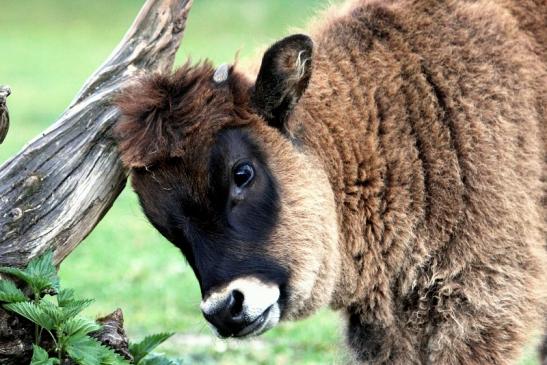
[
  {"x": 54, "y": 192},
  {"x": 58, "y": 187}
]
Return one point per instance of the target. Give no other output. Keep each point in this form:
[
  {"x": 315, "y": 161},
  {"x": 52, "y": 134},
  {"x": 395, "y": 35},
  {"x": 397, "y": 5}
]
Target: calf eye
[{"x": 244, "y": 173}]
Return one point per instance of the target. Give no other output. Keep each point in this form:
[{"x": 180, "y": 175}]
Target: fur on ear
[{"x": 283, "y": 77}]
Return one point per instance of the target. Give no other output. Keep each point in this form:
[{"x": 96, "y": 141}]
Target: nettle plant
[{"x": 55, "y": 313}]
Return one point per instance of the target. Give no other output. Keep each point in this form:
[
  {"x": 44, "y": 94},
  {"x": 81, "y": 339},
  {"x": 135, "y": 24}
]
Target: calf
[{"x": 389, "y": 166}]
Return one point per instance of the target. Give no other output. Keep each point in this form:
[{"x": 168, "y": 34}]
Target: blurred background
[{"x": 48, "y": 48}]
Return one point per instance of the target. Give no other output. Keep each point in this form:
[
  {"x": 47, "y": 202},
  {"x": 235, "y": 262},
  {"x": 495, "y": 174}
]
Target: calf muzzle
[{"x": 245, "y": 307}]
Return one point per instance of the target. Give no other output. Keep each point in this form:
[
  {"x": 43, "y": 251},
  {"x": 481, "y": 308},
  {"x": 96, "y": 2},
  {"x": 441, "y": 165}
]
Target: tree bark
[
  {"x": 113, "y": 334},
  {"x": 16, "y": 337},
  {"x": 54, "y": 192},
  {"x": 4, "y": 116}
]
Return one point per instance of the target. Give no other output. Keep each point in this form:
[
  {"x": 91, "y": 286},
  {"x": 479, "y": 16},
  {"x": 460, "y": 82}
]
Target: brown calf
[{"x": 391, "y": 166}]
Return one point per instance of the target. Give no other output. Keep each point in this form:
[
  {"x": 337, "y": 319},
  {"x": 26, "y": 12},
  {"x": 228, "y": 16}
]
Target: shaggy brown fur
[
  {"x": 439, "y": 176},
  {"x": 428, "y": 118}
]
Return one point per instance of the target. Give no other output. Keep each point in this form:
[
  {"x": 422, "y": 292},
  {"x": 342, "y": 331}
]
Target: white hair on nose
[{"x": 258, "y": 296}]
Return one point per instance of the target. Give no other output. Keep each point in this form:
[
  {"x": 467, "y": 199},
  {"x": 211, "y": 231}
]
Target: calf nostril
[{"x": 236, "y": 303}]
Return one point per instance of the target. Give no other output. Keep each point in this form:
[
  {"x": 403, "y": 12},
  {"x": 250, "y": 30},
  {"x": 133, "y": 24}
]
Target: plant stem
[
  {"x": 60, "y": 347},
  {"x": 36, "y": 326}
]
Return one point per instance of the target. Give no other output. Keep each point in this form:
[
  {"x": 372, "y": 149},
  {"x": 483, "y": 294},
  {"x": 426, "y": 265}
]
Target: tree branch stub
[{"x": 5, "y": 91}]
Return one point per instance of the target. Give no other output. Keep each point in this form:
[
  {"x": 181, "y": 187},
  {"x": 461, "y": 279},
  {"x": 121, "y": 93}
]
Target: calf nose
[
  {"x": 227, "y": 314},
  {"x": 246, "y": 306}
]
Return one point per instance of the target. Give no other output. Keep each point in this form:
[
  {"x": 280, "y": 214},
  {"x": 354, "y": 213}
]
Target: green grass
[{"x": 48, "y": 48}]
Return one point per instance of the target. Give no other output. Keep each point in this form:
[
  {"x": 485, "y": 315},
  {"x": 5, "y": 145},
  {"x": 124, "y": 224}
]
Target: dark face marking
[{"x": 222, "y": 230}]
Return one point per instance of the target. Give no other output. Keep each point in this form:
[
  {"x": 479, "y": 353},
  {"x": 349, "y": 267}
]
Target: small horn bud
[{"x": 221, "y": 73}]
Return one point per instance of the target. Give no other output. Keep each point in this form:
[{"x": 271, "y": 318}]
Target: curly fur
[{"x": 430, "y": 119}]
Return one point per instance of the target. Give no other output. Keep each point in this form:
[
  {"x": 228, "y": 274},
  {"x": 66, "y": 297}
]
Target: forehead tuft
[{"x": 178, "y": 115}]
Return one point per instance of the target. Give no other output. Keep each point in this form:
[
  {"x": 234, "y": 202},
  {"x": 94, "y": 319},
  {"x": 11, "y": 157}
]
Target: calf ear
[{"x": 283, "y": 78}]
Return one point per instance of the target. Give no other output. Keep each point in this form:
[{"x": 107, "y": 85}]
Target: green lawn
[{"x": 48, "y": 48}]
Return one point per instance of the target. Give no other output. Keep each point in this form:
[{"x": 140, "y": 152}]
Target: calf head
[{"x": 219, "y": 175}]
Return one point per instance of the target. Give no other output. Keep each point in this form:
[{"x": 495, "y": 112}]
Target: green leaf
[
  {"x": 32, "y": 312},
  {"x": 43, "y": 272},
  {"x": 110, "y": 357},
  {"x": 85, "y": 350},
  {"x": 18, "y": 273},
  {"x": 46, "y": 313},
  {"x": 79, "y": 326},
  {"x": 149, "y": 343},
  {"x": 40, "y": 357},
  {"x": 72, "y": 308},
  {"x": 39, "y": 354},
  {"x": 157, "y": 360},
  {"x": 40, "y": 273},
  {"x": 10, "y": 293},
  {"x": 55, "y": 313},
  {"x": 42, "y": 284},
  {"x": 49, "y": 316},
  {"x": 65, "y": 297}
]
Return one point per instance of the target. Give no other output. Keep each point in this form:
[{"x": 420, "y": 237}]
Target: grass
[{"x": 48, "y": 49}]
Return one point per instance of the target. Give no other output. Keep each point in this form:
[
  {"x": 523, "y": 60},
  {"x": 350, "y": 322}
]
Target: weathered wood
[
  {"x": 60, "y": 185},
  {"x": 112, "y": 333},
  {"x": 4, "y": 115},
  {"x": 16, "y": 337}
]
